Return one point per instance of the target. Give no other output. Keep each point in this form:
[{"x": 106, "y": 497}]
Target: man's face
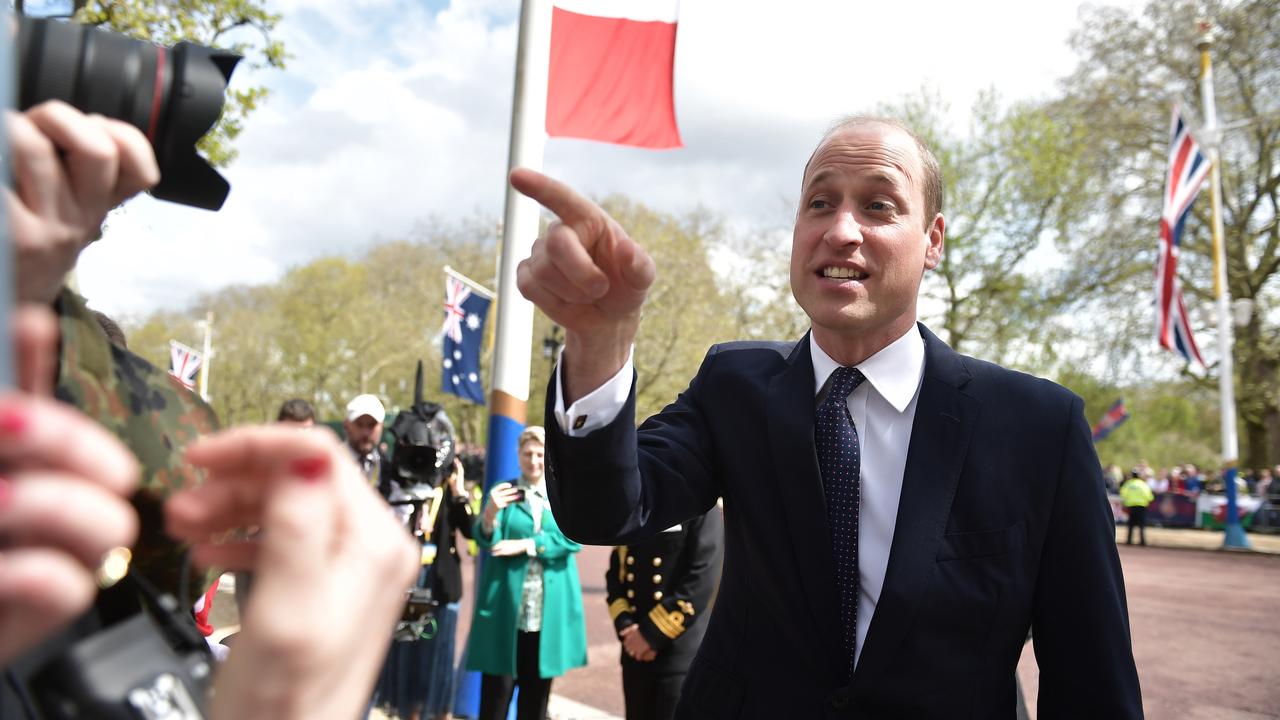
[
  {"x": 861, "y": 243},
  {"x": 362, "y": 433},
  {"x": 531, "y": 461}
]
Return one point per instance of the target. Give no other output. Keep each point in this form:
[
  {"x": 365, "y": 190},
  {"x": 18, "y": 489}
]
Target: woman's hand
[
  {"x": 502, "y": 495},
  {"x": 325, "y": 534},
  {"x": 509, "y": 548},
  {"x": 63, "y": 498}
]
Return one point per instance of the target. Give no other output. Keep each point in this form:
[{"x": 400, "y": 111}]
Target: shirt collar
[{"x": 894, "y": 372}]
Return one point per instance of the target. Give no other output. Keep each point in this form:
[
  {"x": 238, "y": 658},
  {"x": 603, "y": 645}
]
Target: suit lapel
[
  {"x": 940, "y": 437},
  {"x": 791, "y": 399}
]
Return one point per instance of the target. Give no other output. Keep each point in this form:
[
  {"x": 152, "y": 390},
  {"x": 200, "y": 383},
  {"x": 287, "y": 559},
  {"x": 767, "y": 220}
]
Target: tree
[
  {"x": 1132, "y": 68},
  {"x": 242, "y": 26}
]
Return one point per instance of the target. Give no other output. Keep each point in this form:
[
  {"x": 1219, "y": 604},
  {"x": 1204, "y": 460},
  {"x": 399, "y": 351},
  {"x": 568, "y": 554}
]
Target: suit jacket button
[
  {"x": 630, "y": 577},
  {"x": 657, "y": 579},
  {"x": 840, "y": 699},
  {"x": 631, "y": 593},
  {"x": 631, "y": 560},
  {"x": 657, "y": 595}
]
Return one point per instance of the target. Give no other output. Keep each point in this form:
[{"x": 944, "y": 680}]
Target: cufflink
[{"x": 579, "y": 421}]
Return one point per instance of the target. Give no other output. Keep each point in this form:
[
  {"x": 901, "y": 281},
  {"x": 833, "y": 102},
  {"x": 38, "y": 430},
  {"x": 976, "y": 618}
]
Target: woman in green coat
[{"x": 528, "y": 625}]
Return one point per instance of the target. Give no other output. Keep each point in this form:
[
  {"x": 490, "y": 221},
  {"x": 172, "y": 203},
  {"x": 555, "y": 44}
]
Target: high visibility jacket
[{"x": 1136, "y": 493}]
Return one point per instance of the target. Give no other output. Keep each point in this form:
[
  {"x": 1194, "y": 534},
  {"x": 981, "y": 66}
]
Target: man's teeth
[{"x": 843, "y": 273}]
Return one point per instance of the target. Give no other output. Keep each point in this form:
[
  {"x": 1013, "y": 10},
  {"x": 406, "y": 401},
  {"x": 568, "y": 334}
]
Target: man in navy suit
[{"x": 898, "y": 516}]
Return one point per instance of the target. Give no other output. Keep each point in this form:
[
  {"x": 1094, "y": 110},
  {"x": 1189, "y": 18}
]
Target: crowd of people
[{"x": 1190, "y": 480}]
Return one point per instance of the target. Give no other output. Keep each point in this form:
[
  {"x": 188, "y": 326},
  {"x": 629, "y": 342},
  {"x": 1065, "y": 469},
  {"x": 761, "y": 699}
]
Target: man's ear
[{"x": 934, "y": 236}]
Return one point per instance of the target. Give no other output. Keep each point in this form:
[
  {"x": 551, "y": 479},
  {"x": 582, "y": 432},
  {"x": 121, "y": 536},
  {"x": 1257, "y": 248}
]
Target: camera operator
[
  {"x": 324, "y": 530},
  {"x": 362, "y": 430}
]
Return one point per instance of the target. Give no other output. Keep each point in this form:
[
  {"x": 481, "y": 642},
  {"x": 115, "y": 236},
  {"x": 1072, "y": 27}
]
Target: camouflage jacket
[{"x": 152, "y": 414}]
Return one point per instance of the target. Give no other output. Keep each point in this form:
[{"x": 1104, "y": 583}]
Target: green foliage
[
  {"x": 333, "y": 328},
  {"x": 1132, "y": 68},
  {"x": 242, "y": 26}
]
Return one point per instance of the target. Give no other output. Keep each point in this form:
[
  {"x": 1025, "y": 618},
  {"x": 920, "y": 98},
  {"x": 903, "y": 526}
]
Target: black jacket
[
  {"x": 665, "y": 586},
  {"x": 1003, "y": 525}
]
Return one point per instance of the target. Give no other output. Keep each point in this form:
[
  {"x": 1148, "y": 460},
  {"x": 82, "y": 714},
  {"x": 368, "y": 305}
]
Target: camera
[
  {"x": 422, "y": 457},
  {"x": 151, "y": 664},
  {"x": 173, "y": 95}
]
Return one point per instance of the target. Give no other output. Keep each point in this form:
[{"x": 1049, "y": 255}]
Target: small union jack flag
[
  {"x": 184, "y": 363},
  {"x": 1188, "y": 168},
  {"x": 1115, "y": 416}
]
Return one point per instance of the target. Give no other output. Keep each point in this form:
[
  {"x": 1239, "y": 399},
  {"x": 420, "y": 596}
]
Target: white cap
[{"x": 366, "y": 405}]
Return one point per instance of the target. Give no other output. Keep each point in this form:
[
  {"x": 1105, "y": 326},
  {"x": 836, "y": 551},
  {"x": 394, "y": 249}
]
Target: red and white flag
[
  {"x": 611, "y": 72},
  {"x": 184, "y": 363}
]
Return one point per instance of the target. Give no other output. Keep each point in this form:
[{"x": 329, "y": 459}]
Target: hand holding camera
[{"x": 69, "y": 169}]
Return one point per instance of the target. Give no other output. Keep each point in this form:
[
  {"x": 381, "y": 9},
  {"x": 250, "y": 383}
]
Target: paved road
[
  {"x": 1205, "y": 625},
  {"x": 1206, "y": 633}
]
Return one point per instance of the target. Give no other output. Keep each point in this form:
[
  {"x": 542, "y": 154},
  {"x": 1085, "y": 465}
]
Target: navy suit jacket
[{"x": 1003, "y": 526}]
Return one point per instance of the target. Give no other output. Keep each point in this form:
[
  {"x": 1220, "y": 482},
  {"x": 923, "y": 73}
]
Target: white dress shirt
[{"x": 883, "y": 410}]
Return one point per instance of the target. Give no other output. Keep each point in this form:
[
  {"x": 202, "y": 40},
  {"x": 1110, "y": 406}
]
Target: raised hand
[
  {"x": 589, "y": 277},
  {"x": 325, "y": 534},
  {"x": 69, "y": 170}
]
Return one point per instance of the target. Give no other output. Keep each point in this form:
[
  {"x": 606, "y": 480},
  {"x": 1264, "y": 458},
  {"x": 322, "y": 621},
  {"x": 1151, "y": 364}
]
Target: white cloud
[{"x": 396, "y": 110}]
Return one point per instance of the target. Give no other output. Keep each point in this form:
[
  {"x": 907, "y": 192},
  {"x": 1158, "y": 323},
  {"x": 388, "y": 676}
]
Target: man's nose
[{"x": 844, "y": 229}]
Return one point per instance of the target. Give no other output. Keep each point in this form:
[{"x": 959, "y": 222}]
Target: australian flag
[
  {"x": 1112, "y": 420},
  {"x": 464, "y": 314}
]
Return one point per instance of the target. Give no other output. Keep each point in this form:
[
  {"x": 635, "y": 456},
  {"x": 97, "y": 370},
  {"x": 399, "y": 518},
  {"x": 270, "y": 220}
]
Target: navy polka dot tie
[{"x": 839, "y": 459}]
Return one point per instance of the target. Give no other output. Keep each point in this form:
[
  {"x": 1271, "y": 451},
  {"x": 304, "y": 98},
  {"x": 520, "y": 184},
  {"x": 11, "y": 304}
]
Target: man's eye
[
  {"x": 819, "y": 204},
  {"x": 879, "y": 206}
]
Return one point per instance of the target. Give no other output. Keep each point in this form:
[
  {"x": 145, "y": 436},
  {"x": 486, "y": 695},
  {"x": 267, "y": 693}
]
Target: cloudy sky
[{"x": 392, "y": 111}]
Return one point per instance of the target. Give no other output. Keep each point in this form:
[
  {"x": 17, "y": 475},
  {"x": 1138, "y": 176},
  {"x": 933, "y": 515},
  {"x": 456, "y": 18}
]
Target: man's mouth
[{"x": 843, "y": 273}]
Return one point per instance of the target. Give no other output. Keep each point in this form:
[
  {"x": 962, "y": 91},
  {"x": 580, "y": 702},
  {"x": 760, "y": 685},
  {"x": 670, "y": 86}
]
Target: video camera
[
  {"x": 421, "y": 458},
  {"x": 173, "y": 95}
]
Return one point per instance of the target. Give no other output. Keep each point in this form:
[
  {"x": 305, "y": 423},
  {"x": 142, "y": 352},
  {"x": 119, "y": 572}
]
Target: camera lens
[{"x": 173, "y": 95}]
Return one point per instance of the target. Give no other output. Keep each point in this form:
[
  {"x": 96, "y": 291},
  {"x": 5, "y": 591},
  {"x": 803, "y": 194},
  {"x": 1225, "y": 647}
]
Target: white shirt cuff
[{"x": 598, "y": 407}]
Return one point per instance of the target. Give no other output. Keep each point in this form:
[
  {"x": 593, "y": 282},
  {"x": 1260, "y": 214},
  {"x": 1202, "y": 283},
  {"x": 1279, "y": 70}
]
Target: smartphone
[{"x": 519, "y": 495}]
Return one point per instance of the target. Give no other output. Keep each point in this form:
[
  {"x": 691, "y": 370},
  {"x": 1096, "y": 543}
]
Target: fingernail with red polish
[
  {"x": 310, "y": 469},
  {"x": 13, "y": 421}
]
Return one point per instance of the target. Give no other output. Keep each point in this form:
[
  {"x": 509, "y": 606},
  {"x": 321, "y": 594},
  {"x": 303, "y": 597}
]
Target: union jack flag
[
  {"x": 1112, "y": 420},
  {"x": 184, "y": 363},
  {"x": 456, "y": 292},
  {"x": 1187, "y": 170}
]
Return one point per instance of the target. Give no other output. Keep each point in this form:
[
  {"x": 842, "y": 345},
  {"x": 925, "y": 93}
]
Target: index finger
[
  {"x": 251, "y": 451},
  {"x": 568, "y": 204}
]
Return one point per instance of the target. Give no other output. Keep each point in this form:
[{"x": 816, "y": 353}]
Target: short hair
[
  {"x": 296, "y": 410},
  {"x": 534, "y": 433},
  {"x": 112, "y": 329},
  {"x": 928, "y": 162}
]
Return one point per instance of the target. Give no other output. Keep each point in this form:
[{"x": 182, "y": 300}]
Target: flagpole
[
  {"x": 477, "y": 287},
  {"x": 509, "y": 393},
  {"x": 1235, "y": 536},
  {"x": 204, "y": 366}
]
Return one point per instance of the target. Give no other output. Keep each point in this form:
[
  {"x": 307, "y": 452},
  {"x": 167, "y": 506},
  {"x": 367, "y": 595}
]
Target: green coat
[{"x": 491, "y": 647}]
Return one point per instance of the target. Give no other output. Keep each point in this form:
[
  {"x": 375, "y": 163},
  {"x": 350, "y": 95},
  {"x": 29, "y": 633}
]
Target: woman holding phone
[{"x": 528, "y": 626}]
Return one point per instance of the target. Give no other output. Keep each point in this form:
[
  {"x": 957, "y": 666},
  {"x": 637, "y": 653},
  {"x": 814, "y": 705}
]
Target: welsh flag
[{"x": 611, "y": 72}]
